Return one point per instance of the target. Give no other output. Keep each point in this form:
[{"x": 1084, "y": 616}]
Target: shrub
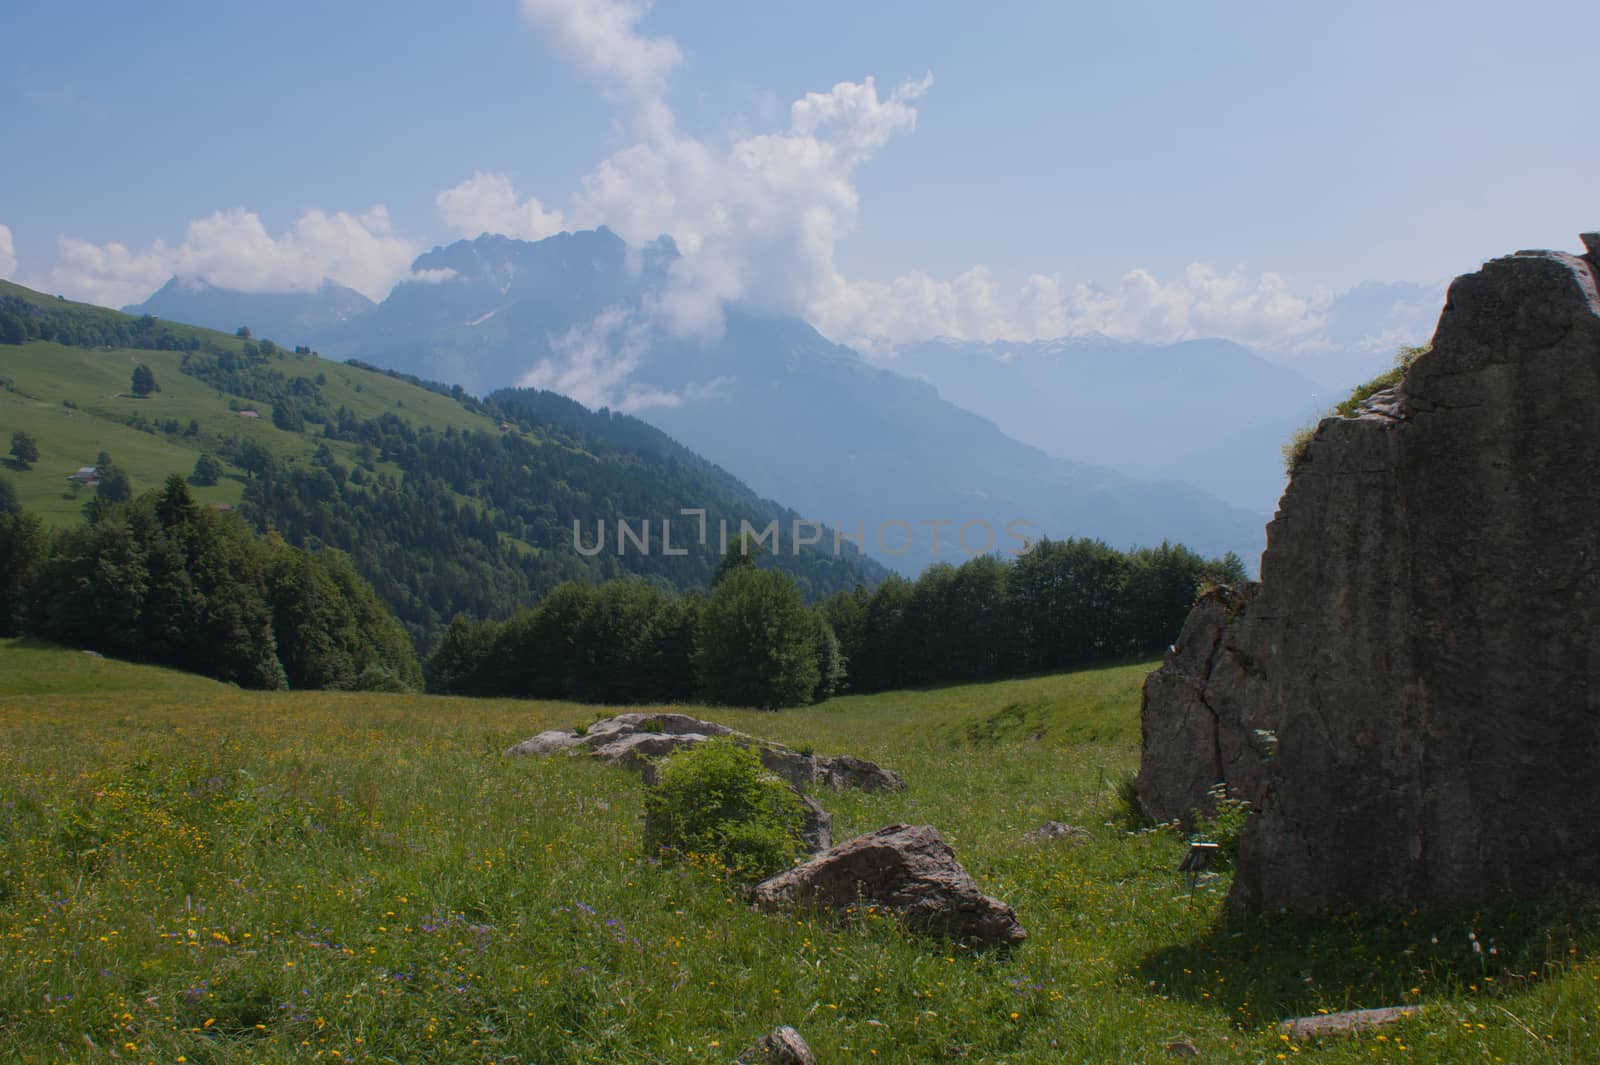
[
  {"x": 1224, "y": 826},
  {"x": 1296, "y": 447},
  {"x": 1127, "y": 809},
  {"x": 717, "y": 799}
]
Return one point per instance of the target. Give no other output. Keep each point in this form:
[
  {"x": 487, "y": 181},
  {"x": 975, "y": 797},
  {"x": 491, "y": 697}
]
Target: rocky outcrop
[
  {"x": 1410, "y": 698},
  {"x": 633, "y": 740},
  {"x": 905, "y": 870}
]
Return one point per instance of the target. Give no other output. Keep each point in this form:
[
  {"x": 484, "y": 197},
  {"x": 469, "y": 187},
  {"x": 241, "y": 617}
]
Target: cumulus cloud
[
  {"x": 756, "y": 220},
  {"x": 1258, "y": 310},
  {"x": 8, "y": 254},
  {"x": 1203, "y": 302},
  {"x": 487, "y": 203},
  {"x": 232, "y": 249}
]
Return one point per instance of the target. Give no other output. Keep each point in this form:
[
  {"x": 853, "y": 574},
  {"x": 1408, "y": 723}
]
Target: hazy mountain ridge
[
  {"x": 788, "y": 412},
  {"x": 291, "y": 318},
  {"x": 1209, "y": 412}
]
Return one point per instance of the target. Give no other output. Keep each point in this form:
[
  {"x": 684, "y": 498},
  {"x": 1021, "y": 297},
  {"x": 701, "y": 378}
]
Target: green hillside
[
  {"x": 34, "y": 667},
  {"x": 446, "y": 504}
]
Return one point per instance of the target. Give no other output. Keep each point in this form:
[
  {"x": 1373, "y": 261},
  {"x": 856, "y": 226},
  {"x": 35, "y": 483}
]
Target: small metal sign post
[{"x": 1196, "y": 861}]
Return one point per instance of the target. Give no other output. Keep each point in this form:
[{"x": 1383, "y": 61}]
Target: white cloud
[
  {"x": 1259, "y": 310},
  {"x": 8, "y": 254},
  {"x": 487, "y": 203},
  {"x": 757, "y": 220},
  {"x": 108, "y": 274},
  {"x": 592, "y": 363},
  {"x": 232, "y": 249},
  {"x": 599, "y": 38}
]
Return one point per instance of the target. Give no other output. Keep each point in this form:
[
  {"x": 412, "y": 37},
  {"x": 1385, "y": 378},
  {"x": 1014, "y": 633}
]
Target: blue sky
[{"x": 1240, "y": 160}]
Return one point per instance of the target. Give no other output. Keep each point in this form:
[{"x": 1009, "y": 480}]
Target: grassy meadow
[{"x": 193, "y": 873}]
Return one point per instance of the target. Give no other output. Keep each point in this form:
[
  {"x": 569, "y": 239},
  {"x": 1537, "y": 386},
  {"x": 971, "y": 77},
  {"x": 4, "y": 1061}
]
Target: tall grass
[{"x": 190, "y": 872}]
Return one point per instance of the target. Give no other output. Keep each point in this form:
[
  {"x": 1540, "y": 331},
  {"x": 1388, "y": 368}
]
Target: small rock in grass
[
  {"x": 1054, "y": 830},
  {"x": 781, "y": 1046}
]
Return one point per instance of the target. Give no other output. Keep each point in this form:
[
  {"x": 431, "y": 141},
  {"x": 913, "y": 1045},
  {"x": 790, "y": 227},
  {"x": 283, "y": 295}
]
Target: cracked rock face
[{"x": 1410, "y": 698}]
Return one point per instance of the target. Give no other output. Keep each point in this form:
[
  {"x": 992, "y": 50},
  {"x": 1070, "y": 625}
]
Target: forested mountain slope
[{"x": 445, "y": 504}]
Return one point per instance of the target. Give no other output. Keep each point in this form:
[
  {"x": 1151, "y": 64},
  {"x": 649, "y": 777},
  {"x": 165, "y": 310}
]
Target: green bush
[
  {"x": 1224, "y": 826},
  {"x": 1127, "y": 809},
  {"x": 716, "y": 799}
]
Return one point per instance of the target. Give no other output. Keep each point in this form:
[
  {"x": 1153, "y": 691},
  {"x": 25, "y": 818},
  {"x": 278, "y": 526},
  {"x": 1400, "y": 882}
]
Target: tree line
[
  {"x": 753, "y": 641},
  {"x": 83, "y": 326},
  {"x": 1062, "y": 604},
  {"x": 162, "y": 579}
]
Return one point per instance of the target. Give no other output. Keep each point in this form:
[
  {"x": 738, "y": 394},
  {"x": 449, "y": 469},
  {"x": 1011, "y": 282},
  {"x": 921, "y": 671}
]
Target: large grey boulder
[
  {"x": 908, "y": 871},
  {"x": 1411, "y": 697},
  {"x": 631, "y": 740}
]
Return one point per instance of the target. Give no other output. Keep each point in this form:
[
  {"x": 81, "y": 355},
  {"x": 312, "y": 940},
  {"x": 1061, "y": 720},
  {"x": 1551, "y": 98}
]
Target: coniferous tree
[
  {"x": 207, "y": 470},
  {"x": 144, "y": 381}
]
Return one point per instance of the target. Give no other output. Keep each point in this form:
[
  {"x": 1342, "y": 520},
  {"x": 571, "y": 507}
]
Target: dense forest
[
  {"x": 754, "y": 642},
  {"x": 162, "y": 579}
]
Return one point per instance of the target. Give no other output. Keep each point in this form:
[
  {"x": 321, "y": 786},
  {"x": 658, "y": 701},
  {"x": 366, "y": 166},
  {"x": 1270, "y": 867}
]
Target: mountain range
[{"x": 1132, "y": 444}]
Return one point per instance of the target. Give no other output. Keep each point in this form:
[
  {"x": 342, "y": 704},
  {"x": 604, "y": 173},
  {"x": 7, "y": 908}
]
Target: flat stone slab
[{"x": 1349, "y": 1022}]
